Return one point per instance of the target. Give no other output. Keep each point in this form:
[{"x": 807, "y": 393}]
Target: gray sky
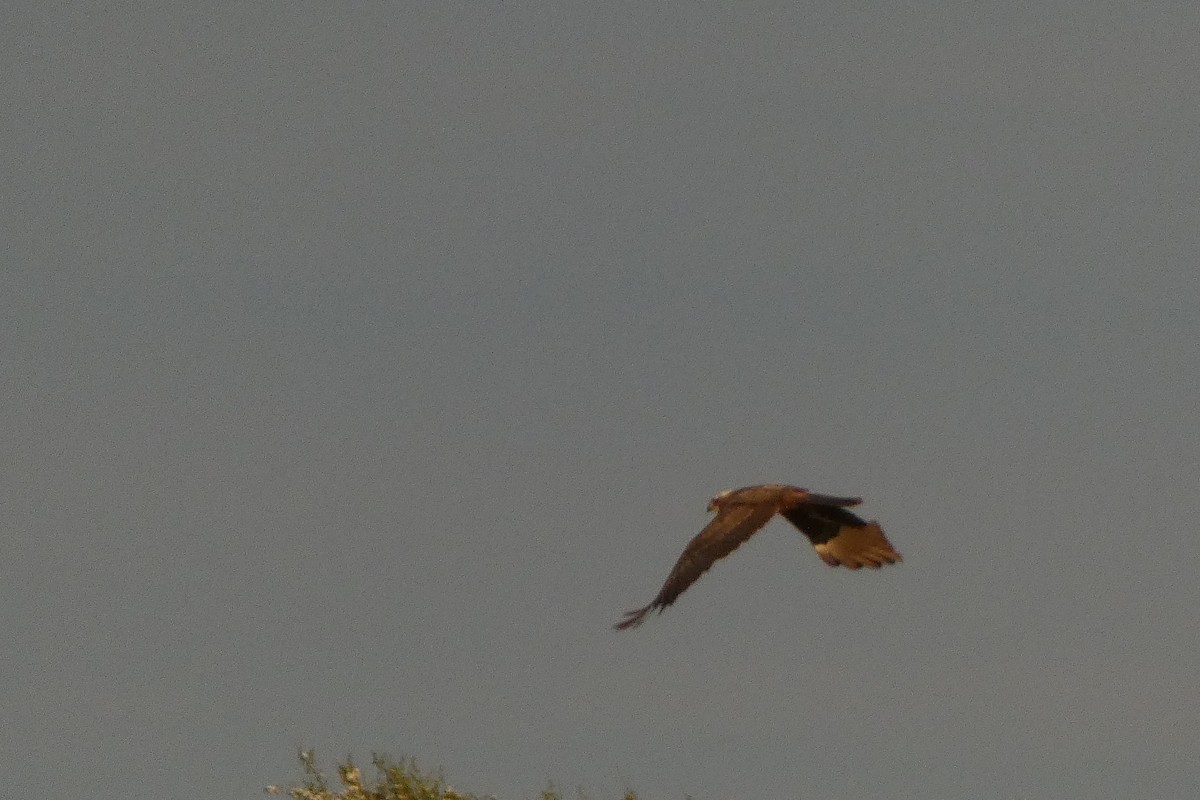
[{"x": 362, "y": 364}]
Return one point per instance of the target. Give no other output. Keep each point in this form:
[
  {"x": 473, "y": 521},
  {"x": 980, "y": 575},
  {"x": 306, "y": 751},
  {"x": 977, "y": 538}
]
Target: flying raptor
[{"x": 839, "y": 537}]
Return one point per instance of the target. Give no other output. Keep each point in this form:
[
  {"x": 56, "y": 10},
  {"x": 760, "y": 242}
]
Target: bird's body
[{"x": 839, "y": 537}]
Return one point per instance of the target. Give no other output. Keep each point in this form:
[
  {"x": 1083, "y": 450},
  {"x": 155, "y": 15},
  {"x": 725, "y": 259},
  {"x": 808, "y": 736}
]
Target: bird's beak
[{"x": 712, "y": 505}]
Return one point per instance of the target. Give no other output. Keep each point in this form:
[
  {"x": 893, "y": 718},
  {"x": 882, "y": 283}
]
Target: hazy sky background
[{"x": 362, "y": 363}]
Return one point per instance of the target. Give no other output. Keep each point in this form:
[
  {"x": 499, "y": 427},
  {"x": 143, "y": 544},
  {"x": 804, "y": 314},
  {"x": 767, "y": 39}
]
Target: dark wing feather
[
  {"x": 841, "y": 538},
  {"x": 820, "y": 523},
  {"x": 829, "y": 500},
  {"x": 720, "y": 537}
]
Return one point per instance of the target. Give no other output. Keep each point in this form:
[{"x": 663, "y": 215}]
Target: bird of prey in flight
[{"x": 839, "y": 537}]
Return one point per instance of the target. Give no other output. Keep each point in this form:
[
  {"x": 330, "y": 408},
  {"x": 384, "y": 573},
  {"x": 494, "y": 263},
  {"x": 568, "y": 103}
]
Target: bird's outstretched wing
[
  {"x": 720, "y": 537},
  {"x": 839, "y": 537}
]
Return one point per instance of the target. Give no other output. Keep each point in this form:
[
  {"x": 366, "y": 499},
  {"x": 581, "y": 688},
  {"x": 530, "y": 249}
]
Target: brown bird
[{"x": 839, "y": 537}]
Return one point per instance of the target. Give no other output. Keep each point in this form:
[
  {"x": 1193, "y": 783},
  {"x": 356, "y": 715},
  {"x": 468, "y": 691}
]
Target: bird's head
[{"x": 715, "y": 503}]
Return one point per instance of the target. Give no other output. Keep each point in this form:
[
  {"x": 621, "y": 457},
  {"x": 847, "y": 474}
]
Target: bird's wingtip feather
[{"x": 633, "y": 618}]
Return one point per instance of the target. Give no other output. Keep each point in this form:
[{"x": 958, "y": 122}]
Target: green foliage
[{"x": 394, "y": 780}]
